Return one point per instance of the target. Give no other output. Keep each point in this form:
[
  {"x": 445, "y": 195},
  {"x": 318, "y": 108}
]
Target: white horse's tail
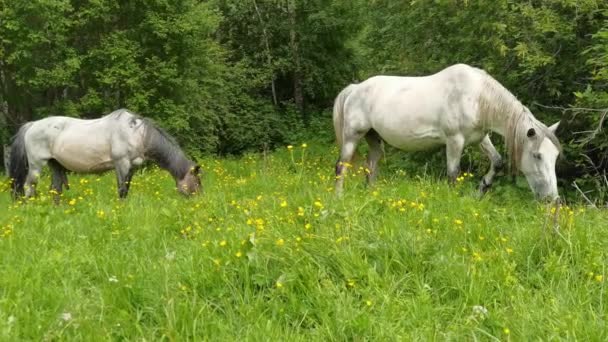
[
  {"x": 339, "y": 112},
  {"x": 18, "y": 163}
]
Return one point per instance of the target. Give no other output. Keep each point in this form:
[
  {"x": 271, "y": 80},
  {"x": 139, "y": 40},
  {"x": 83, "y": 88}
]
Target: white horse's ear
[{"x": 553, "y": 127}]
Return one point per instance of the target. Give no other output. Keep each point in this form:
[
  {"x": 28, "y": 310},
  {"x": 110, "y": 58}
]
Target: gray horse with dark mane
[{"x": 120, "y": 140}]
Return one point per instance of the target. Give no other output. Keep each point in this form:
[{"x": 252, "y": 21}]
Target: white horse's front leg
[
  {"x": 495, "y": 164},
  {"x": 454, "y": 146}
]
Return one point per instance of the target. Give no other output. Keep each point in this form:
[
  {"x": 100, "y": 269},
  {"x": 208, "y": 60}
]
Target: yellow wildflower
[{"x": 476, "y": 256}]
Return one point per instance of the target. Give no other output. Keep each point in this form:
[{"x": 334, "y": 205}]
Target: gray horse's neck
[{"x": 162, "y": 149}]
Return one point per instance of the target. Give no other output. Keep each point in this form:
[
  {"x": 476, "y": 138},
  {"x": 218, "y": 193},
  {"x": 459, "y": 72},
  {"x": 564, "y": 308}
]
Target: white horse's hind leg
[
  {"x": 346, "y": 155},
  {"x": 454, "y": 146},
  {"x": 373, "y": 156},
  {"x": 495, "y": 163}
]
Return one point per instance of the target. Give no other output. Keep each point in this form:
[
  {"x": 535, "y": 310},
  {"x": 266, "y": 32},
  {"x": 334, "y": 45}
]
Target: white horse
[
  {"x": 454, "y": 107},
  {"x": 120, "y": 140}
]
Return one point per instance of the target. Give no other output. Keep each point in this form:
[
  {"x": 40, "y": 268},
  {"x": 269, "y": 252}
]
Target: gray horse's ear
[
  {"x": 531, "y": 133},
  {"x": 553, "y": 127}
]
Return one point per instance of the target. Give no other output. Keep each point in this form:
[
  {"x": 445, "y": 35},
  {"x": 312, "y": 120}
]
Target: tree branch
[{"x": 268, "y": 54}]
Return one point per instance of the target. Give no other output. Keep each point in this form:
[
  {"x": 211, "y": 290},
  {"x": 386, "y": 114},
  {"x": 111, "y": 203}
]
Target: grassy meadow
[{"x": 267, "y": 252}]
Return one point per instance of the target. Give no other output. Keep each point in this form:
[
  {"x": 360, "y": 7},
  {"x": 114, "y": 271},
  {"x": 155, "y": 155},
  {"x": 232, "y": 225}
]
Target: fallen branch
[
  {"x": 583, "y": 194},
  {"x": 572, "y": 109}
]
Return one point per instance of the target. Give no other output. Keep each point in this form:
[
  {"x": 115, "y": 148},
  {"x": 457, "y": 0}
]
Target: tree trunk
[
  {"x": 268, "y": 54},
  {"x": 298, "y": 93},
  {"x": 15, "y": 103}
]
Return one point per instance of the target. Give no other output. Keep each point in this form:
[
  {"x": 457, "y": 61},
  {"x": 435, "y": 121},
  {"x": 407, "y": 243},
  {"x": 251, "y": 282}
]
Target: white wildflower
[
  {"x": 480, "y": 310},
  {"x": 66, "y": 316}
]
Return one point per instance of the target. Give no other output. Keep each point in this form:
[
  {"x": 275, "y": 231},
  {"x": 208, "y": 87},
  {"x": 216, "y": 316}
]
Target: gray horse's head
[{"x": 190, "y": 184}]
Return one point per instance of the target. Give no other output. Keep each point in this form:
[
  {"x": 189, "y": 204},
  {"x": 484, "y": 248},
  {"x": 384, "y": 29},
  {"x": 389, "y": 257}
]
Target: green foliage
[
  {"x": 528, "y": 46},
  {"x": 586, "y": 137},
  {"x": 263, "y": 33}
]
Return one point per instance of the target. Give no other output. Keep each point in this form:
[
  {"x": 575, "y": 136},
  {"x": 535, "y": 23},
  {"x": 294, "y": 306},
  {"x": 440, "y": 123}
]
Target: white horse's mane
[{"x": 497, "y": 103}]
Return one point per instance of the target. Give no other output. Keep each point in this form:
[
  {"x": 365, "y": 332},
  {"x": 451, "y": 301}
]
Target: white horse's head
[{"x": 539, "y": 152}]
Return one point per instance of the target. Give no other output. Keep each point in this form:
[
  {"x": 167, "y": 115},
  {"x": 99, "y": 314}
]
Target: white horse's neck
[{"x": 499, "y": 109}]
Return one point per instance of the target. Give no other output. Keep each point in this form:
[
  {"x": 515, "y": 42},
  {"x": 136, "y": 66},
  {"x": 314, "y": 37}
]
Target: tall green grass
[{"x": 267, "y": 252}]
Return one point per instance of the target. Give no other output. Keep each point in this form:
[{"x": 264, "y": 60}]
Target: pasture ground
[{"x": 268, "y": 253}]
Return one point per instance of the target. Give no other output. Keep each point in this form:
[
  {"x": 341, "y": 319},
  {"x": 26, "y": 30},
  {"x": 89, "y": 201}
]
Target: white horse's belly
[
  {"x": 413, "y": 129},
  {"x": 412, "y": 140}
]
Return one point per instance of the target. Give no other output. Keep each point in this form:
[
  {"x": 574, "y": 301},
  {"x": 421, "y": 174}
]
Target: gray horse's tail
[
  {"x": 18, "y": 164},
  {"x": 339, "y": 112}
]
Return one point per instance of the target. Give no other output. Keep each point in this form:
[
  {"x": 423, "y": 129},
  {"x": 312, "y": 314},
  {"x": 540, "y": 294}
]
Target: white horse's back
[{"x": 416, "y": 113}]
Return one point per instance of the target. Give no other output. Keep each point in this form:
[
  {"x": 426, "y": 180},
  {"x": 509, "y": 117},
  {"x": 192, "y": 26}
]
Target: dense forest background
[{"x": 227, "y": 76}]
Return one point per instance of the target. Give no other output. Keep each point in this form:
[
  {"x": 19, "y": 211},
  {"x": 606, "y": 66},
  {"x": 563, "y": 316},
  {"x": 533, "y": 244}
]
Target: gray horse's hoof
[{"x": 484, "y": 187}]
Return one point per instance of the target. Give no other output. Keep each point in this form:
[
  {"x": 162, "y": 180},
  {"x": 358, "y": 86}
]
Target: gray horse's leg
[
  {"x": 128, "y": 178},
  {"x": 123, "y": 176},
  {"x": 346, "y": 155},
  {"x": 454, "y": 147},
  {"x": 59, "y": 179},
  {"x": 496, "y": 164},
  {"x": 35, "y": 168},
  {"x": 373, "y": 156}
]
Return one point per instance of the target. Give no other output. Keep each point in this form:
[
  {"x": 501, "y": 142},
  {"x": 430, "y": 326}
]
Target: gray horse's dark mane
[{"x": 162, "y": 148}]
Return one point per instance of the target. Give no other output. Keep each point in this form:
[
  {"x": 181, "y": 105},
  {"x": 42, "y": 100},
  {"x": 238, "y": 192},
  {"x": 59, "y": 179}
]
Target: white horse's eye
[{"x": 537, "y": 156}]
